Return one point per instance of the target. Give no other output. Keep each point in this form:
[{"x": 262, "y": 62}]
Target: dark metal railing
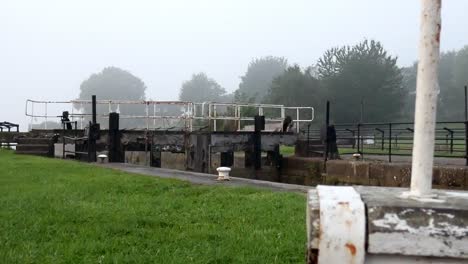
[{"x": 394, "y": 139}]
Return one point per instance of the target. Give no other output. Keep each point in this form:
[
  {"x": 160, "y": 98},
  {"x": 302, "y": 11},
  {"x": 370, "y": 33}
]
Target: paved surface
[
  {"x": 407, "y": 159},
  {"x": 202, "y": 178}
]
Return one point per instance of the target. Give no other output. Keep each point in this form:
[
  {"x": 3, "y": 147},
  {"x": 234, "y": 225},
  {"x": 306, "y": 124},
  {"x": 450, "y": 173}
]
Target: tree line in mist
[{"x": 362, "y": 76}]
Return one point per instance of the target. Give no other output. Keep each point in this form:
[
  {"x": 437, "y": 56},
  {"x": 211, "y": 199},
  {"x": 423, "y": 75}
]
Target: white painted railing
[{"x": 157, "y": 115}]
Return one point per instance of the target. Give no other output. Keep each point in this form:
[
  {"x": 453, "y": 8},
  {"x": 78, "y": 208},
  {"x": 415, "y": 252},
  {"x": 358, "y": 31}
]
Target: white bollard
[
  {"x": 223, "y": 173},
  {"x": 356, "y": 156},
  {"x": 102, "y": 157}
]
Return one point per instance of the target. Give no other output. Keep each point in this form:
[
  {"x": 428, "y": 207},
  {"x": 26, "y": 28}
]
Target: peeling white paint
[
  {"x": 428, "y": 211},
  {"x": 451, "y": 216},
  {"x": 417, "y": 245},
  {"x": 394, "y": 222},
  {"x": 342, "y": 225},
  {"x": 458, "y": 194}
]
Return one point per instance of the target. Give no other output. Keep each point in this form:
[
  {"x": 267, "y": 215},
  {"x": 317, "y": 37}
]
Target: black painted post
[
  {"x": 92, "y": 133},
  {"x": 466, "y": 143},
  {"x": 257, "y": 140},
  {"x": 390, "y": 142},
  {"x": 382, "y": 137},
  {"x": 466, "y": 104},
  {"x": 327, "y": 124},
  {"x": 446, "y": 140},
  {"x": 451, "y": 142},
  {"x": 359, "y": 138},
  {"x": 63, "y": 141},
  {"x": 308, "y": 140},
  {"x": 227, "y": 159},
  {"x": 93, "y": 103},
  {"x": 115, "y": 149},
  {"x": 466, "y": 127},
  {"x": 383, "y": 140}
]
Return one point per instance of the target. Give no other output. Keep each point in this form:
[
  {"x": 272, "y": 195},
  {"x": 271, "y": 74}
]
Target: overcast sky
[{"x": 48, "y": 47}]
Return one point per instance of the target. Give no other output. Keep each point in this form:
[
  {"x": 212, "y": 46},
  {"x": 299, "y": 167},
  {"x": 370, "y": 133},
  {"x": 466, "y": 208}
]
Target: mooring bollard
[
  {"x": 102, "y": 157},
  {"x": 223, "y": 173},
  {"x": 356, "y": 156}
]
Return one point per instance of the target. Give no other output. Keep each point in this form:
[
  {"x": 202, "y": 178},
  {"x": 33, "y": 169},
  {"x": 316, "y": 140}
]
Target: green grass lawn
[
  {"x": 375, "y": 149},
  {"x": 54, "y": 211},
  {"x": 287, "y": 150}
]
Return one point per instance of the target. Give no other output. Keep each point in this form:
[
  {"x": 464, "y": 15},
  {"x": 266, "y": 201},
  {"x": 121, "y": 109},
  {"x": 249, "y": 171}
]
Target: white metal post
[
  {"x": 81, "y": 119},
  {"x": 154, "y": 116},
  {"x": 239, "y": 117},
  {"x": 297, "y": 118},
  {"x": 32, "y": 116},
  {"x": 427, "y": 89},
  {"x": 147, "y": 116},
  {"x": 215, "y": 117},
  {"x": 209, "y": 116}
]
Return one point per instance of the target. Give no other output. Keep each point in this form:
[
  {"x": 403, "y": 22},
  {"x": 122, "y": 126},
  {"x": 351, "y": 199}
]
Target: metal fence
[{"x": 395, "y": 139}]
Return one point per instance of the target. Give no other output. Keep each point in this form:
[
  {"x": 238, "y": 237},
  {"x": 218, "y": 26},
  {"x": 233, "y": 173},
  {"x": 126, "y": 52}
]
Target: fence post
[
  {"x": 382, "y": 137},
  {"x": 383, "y": 140},
  {"x": 308, "y": 139},
  {"x": 359, "y": 138},
  {"x": 466, "y": 143},
  {"x": 466, "y": 103},
  {"x": 327, "y": 123},
  {"x": 451, "y": 142},
  {"x": 466, "y": 127},
  {"x": 389, "y": 142}
]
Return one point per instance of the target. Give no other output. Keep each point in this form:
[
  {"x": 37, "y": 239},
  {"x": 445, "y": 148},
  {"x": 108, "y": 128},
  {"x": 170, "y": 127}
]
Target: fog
[{"x": 49, "y": 47}]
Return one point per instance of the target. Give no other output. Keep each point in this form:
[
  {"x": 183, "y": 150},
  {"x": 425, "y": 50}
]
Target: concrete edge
[{"x": 203, "y": 178}]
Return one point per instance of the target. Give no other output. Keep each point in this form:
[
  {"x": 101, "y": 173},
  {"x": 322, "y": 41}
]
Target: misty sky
[{"x": 48, "y": 47}]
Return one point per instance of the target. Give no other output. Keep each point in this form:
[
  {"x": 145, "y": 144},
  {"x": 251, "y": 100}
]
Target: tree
[
  {"x": 409, "y": 90},
  {"x": 256, "y": 82},
  {"x": 114, "y": 84},
  {"x": 294, "y": 88},
  {"x": 201, "y": 89},
  {"x": 453, "y": 72},
  {"x": 365, "y": 74}
]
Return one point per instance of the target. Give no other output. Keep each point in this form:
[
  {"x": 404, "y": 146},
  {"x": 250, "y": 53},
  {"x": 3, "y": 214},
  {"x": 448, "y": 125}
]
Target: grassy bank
[{"x": 54, "y": 211}]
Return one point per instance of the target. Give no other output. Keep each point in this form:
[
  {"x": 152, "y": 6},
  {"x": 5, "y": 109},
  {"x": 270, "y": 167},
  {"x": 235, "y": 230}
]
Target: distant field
[
  {"x": 287, "y": 150},
  {"x": 403, "y": 148},
  {"x": 54, "y": 211}
]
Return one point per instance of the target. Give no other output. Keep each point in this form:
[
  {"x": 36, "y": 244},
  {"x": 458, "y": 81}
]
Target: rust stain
[
  {"x": 437, "y": 37},
  {"x": 348, "y": 223},
  {"x": 351, "y": 248}
]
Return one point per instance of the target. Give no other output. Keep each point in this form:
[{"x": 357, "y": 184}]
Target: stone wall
[
  {"x": 311, "y": 171},
  {"x": 174, "y": 161},
  {"x": 341, "y": 172}
]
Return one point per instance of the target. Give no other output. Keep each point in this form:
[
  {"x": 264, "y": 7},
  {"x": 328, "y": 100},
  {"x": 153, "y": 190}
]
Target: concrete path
[
  {"x": 407, "y": 159},
  {"x": 202, "y": 178}
]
